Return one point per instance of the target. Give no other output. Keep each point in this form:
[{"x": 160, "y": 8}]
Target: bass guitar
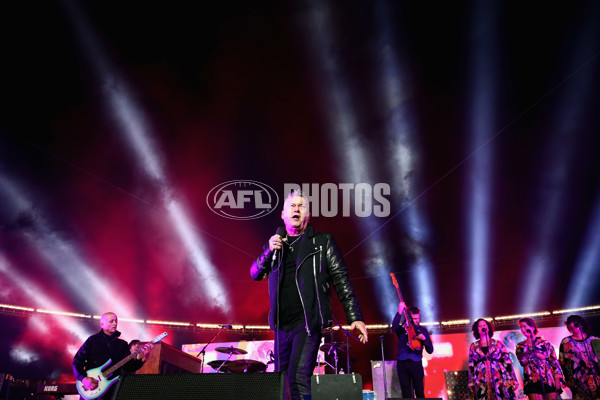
[
  {"x": 413, "y": 342},
  {"x": 101, "y": 376}
]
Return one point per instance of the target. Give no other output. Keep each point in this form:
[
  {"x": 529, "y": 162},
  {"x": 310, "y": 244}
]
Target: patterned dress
[
  {"x": 534, "y": 368},
  {"x": 578, "y": 361},
  {"x": 493, "y": 370}
]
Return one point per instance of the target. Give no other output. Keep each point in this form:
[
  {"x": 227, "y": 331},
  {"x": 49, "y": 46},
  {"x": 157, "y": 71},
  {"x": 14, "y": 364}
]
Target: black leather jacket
[{"x": 319, "y": 264}]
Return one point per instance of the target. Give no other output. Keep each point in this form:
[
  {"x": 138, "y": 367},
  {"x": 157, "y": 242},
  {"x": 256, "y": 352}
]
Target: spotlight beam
[
  {"x": 586, "y": 274},
  {"x": 482, "y": 122},
  {"x": 39, "y": 298},
  {"x": 356, "y": 165},
  {"x": 136, "y": 131},
  {"x": 61, "y": 255},
  {"x": 557, "y": 167},
  {"x": 403, "y": 162}
]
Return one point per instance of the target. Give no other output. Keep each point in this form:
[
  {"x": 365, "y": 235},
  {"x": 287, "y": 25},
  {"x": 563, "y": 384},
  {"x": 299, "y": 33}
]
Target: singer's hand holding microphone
[{"x": 275, "y": 242}]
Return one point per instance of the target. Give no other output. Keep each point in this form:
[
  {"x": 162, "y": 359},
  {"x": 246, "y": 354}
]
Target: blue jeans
[{"x": 296, "y": 355}]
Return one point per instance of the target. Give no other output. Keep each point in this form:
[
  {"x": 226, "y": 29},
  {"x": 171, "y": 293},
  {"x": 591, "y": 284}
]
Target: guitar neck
[
  {"x": 405, "y": 312},
  {"x": 120, "y": 364},
  {"x": 129, "y": 357},
  {"x": 399, "y": 294}
]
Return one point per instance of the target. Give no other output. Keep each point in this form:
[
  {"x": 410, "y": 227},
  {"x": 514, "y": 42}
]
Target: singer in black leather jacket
[
  {"x": 318, "y": 259},
  {"x": 301, "y": 266}
]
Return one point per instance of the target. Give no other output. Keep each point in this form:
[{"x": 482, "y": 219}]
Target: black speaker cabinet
[
  {"x": 235, "y": 386},
  {"x": 336, "y": 387}
]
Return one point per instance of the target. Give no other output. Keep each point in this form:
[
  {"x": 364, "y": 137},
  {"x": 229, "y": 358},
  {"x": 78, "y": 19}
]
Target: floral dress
[
  {"x": 493, "y": 370},
  {"x": 537, "y": 370},
  {"x": 578, "y": 361}
]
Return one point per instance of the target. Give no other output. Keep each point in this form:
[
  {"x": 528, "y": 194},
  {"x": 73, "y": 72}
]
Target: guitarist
[
  {"x": 410, "y": 350},
  {"x": 101, "y": 347}
]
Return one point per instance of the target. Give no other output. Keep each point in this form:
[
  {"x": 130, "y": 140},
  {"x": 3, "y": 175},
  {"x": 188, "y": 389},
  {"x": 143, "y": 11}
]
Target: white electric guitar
[{"x": 101, "y": 376}]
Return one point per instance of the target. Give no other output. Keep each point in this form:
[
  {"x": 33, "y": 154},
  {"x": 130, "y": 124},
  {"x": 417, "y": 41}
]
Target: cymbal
[
  {"x": 333, "y": 346},
  {"x": 250, "y": 366},
  {"x": 215, "y": 364},
  {"x": 230, "y": 350}
]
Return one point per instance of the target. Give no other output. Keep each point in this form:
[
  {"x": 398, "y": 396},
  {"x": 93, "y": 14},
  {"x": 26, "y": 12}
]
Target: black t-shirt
[{"x": 290, "y": 302}]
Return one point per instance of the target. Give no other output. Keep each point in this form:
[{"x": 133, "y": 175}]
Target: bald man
[{"x": 101, "y": 347}]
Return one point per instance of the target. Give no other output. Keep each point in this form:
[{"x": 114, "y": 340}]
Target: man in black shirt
[
  {"x": 301, "y": 266},
  {"x": 410, "y": 355},
  {"x": 101, "y": 347}
]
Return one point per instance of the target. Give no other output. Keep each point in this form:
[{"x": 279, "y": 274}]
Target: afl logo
[{"x": 242, "y": 199}]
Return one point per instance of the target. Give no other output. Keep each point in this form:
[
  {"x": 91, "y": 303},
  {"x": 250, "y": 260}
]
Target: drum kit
[
  {"x": 252, "y": 366},
  {"x": 236, "y": 366},
  {"x": 332, "y": 349}
]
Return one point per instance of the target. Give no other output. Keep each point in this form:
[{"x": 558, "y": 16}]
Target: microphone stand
[
  {"x": 347, "y": 345},
  {"x": 325, "y": 363},
  {"x": 203, "y": 351},
  {"x": 385, "y": 396},
  {"x": 489, "y": 358},
  {"x": 537, "y": 362},
  {"x": 335, "y": 357}
]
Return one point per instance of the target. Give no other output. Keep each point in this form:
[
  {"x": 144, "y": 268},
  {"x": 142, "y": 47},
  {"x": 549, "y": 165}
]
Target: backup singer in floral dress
[
  {"x": 491, "y": 373},
  {"x": 540, "y": 365},
  {"x": 578, "y": 360}
]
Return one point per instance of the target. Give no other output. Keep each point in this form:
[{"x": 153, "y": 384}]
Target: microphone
[
  {"x": 484, "y": 330},
  {"x": 226, "y": 326},
  {"x": 529, "y": 331},
  {"x": 281, "y": 232}
]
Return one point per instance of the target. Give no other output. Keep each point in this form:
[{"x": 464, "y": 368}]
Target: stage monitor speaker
[
  {"x": 394, "y": 392},
  {"x": 336, "y": 387},
  {"x": 391, "y": 373},
  {"x": 234, "y": 386}
]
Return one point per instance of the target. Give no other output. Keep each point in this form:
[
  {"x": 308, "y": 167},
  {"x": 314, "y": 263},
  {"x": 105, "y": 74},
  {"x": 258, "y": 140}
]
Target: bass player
[
  {"x": 101, "y": 347},
  {"x": 410, "y": 350}
]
